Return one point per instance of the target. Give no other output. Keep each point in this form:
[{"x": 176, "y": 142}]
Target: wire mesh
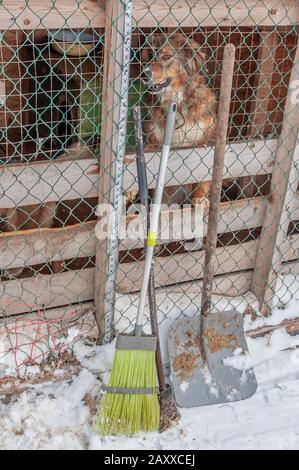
[{"x": 51, "y": 106}]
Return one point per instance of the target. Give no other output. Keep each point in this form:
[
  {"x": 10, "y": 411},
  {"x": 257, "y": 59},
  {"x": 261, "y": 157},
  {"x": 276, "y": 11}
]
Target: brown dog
[{"x": 179, "y": 73}]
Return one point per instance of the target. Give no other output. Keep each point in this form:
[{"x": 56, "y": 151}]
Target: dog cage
[{"x": 70, "y": 75}]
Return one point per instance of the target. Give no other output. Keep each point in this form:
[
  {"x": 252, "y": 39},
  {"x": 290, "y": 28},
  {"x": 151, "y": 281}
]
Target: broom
[
  {"x": 130, "y": 402},
  {"x": 169, "y": 413}
]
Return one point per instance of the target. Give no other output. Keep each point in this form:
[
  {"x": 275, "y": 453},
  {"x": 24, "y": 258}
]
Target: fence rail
[{"x": 147, "y": 13}]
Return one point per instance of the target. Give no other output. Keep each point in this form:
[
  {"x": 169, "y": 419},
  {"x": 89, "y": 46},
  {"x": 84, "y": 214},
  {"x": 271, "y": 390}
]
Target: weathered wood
[
  {"x": 171, "y": 13},
  {"x": 78, "y": 178},
  {"x": 37, "y": 14},
  {"x": 42, "y": 182},
  {"x": 189, "y": 266},
  {"x": 229, "y": 285},
  {"x": 216, "y": 183},
  {"x": 61, "y": 290},
  {"x": 176, "y": 272},
  {"x": 30, "y": 247},
  {"x": 278, "y": 213},
  {"x": 235, "y": 215},
  {"x": 263, "y": 80},
  {"x": 195, "y": 164},
  {"x": 112, "y": 151},
  {"x": 67, "y": 14},
  {"x": 80, "y": 316},
  {"x": 260, "y": 100},
  {"x": 34, "y": 293}
]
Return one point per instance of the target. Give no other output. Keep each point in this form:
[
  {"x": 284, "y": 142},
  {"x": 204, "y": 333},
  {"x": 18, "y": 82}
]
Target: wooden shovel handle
[{"x": 215, "y": 193}]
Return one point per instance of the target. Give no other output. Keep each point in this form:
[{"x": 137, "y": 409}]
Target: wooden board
[
  {"x": 189, "y": 266},
  {"x": 31, "y": 294},
  {"x": 278, "y": 213},
  {"x": 41, "y": 182},
  {"x": 260, "y": 100},
  {"x": 233, "y": 272},
  {"x": 46, "y": 14},
  {"x": 30, "y": 247},
  {"x": 262, "y": 83},
  {"x": 60, "y": 290},
  {"x": 148, "y": 13},
  {"x": 112, "y": 153},
  {"x": 171, "y": 13},
  {"x": 290, "y": 324},
  {"x": 186, "y": 267}
]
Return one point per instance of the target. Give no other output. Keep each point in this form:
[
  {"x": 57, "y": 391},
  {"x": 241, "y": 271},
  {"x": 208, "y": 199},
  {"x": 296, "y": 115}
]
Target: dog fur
[{"x": 179, "y": 73}]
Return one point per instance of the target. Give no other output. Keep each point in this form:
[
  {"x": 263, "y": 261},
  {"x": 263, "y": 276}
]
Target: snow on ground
[{"x": 59, "y": 416}]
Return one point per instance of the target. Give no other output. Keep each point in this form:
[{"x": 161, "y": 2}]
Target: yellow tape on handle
[{"x": 151, "y": 239}]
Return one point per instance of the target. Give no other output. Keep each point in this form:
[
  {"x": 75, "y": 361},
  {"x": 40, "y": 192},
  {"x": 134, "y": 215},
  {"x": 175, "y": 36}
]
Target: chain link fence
[{"x": 70, "y": 75}]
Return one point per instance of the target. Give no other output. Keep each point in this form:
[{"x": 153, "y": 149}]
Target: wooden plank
[
  {"x": 232, "y": 278},
  {"x": 278, "y": 213},
  {"x": 171, "y": 13},
  {"x": 68, "y": 179},
  {"x": 195, "y": 164},
  {"x": 290, "y": 324},
  {"x": 229, "y": 284},
  {"x": 41, "y": 182},
  {"x": 30, "y": 247},
  {"x": 112, "y": 151},
  {"x": 168, "y": 13},
  {"x": 42, "y": 291},
  {"x": 46, "y": 14},
  {"x": 235, "y": 215},
  {"x": 25, "y": 296},
  {"x": 260, "y": 100},
  {"x": 263, "y": 79},
  {"x": 291, "y": 267},
  {"x": 187, "y": 266},
  {"x": 80, "y": 316}
]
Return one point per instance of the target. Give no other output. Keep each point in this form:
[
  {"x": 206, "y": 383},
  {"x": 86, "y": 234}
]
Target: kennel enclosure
[{"x": 64, "y": 140}]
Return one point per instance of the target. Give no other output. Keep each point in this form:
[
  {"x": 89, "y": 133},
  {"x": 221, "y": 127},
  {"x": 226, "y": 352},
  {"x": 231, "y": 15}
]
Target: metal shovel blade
[{"x": 200, "y": 374}]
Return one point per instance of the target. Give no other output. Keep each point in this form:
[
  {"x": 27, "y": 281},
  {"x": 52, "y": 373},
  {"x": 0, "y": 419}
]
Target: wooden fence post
[
  {"x": 269, "y": 257},
  {"x": 260, "y": 100},
  {"x": 113, "y": 139}
]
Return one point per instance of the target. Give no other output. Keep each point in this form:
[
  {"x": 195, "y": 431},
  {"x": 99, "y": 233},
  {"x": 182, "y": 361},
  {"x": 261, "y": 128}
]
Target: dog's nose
[{"x": 146, "y": 74}]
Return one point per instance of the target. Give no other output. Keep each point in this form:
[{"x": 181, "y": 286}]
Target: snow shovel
[{"x": 200, "y": 348}]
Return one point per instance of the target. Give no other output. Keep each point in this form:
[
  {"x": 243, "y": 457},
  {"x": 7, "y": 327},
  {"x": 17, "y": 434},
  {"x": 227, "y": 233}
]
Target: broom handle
[
  {"x": 144, "y": 200},
  {"x": 152, "y": 233},
  {"x": 215, "y": 193}
]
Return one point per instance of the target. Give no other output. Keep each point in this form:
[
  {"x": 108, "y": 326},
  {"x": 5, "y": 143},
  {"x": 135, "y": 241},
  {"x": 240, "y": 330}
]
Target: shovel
[{"x": 200, "y": 348}]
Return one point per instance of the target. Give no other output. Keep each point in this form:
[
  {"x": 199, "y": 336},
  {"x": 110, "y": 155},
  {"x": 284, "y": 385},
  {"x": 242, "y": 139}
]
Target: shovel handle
[{"x": 216, "y": 185}]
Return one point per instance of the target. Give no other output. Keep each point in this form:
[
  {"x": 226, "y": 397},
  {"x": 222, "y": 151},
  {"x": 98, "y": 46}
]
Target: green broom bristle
[{"x": 121, "y": 413}]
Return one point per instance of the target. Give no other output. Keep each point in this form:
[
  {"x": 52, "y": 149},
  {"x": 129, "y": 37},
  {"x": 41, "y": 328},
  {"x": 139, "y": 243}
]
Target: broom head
[{"x": 130, "y": 402}]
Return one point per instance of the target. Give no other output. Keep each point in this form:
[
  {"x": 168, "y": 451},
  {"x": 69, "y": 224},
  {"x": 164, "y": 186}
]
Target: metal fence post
[{"x": 112, "y": 149}]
